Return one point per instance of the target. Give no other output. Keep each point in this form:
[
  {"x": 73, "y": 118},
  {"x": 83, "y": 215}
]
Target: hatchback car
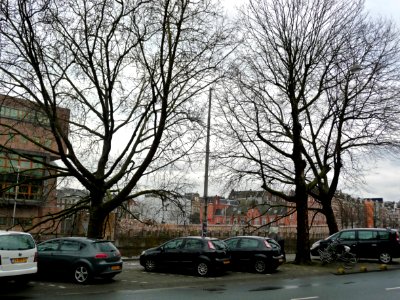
[
  {"x": 202, "y": 254},
  {"x": 259, "y": 254},
  {"x": 18, "y": 256},
  {"x": 80, "y": 258},
  {"x": 377, "y": 243}
]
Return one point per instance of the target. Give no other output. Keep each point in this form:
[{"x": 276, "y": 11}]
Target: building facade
[{"x": 27, "y": 149}]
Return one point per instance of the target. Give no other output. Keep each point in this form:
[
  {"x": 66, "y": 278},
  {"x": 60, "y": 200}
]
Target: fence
[{"x": 133, "y": 240}]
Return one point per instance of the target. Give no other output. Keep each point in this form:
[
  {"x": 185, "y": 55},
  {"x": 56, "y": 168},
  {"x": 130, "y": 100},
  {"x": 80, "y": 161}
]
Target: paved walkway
[{"x": 316, "y": 267}]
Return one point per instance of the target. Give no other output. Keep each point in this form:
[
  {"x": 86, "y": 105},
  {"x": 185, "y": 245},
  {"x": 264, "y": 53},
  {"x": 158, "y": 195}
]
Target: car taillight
[
  {"x": 267, "y": 244},
  {"x": 101, "y": 255},
  {"x": 35, "y": 258},
  {"x": 211, "y": 245},
  {"x": 397, "y": 237}
]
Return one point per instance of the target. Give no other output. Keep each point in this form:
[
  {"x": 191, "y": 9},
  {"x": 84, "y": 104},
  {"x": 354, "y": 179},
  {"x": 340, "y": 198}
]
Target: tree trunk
[
  {"x": 330, "y": 217},
  {"x": 303, "y": 234},
  {"x": 96, "y": 225}
]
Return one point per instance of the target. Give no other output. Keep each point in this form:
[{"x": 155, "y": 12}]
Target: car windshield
[
  {"x": 274, "y": 244},
  {"x": 105, "y": 246},
  {"x": 219, "y": 245},
  {"x": 16, "y": 242}
]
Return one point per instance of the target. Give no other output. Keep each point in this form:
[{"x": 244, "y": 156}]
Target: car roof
[
  {"x": 5, "y": 232},
  {"x": 200, "y": 237},
  {"x": 78, "y": 238},
  {"x": 252, "y": 237},
  {"x": 376, "y": 229}
]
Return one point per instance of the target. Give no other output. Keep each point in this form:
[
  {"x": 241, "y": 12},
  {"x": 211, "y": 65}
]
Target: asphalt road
[{"x": 290, "y": 282}]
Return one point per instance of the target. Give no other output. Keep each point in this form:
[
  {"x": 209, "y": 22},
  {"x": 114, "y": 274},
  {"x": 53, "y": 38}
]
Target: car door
[
  {"x": 47, "y": 255},
  {"x": 367, "y": 244},
  {"x": 246, "y": 250},
  {"x": 68, "y": 254},
  {"x": 349, "y": 238},
  {"x": 233, "y": 250},
  {"x": 191, "y": 251},
  {"x": 170, "y": 253}
]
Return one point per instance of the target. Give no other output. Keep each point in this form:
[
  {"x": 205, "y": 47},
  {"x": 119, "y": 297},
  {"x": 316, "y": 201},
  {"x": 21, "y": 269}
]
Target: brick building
[{"x": 27, "y": 148}]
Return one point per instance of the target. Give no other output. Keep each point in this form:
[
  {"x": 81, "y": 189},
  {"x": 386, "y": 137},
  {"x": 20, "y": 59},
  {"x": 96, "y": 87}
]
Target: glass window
[
  {"x": 367, "y": 235},
  {"x": 384, "y": 235},
  {"x": 16, "y": 242},
  {"x": 70, "y": 246},
  {"x": 348, "y": 235},
  {"x": 193, "y": 244},
  {"x": 248, "y": 243},
  {"x": 232, "y": 243},
  {"x": 174, "y": 244},
  {"x": 48, "y": 246},
  {"x": 105, "y": 246}
]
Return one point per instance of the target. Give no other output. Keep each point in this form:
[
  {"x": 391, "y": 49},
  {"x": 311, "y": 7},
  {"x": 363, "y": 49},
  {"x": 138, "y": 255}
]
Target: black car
[
  {"x": 202, "y": 254},
  {"x": 378, "y": 243},
  {"x": 80, "y": 258},
  {"x": 255, "y": 253}
]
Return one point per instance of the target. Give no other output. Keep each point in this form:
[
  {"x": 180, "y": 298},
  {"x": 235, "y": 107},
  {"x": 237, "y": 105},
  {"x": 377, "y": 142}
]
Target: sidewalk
[{"x": 316, "y": 267}]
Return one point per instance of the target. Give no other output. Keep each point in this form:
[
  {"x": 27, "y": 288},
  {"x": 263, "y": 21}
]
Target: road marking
[
  {"x": 306, "y": 298},
  {"x": 393, "y": 288}
]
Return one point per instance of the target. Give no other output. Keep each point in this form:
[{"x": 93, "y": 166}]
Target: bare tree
[
  {"x": 128, "y": 71},
  {"x": 312, "y": 85}
]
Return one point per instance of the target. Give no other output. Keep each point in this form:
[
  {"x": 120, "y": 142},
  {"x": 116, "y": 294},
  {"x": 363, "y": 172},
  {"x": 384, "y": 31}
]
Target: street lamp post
[
  {"x": 15, "y": 198},
  {"x": 204, "y": 225}
]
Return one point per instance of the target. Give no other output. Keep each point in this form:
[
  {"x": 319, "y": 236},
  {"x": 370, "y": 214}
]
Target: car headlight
[{"x": 143, "y": 252}]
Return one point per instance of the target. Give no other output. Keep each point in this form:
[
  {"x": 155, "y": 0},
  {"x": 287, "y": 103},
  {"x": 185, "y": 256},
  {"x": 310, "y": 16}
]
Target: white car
[{"x": 18, "y": 256}]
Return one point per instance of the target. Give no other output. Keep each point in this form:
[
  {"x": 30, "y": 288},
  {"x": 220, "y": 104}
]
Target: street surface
[{"x": 134, "y": 283}]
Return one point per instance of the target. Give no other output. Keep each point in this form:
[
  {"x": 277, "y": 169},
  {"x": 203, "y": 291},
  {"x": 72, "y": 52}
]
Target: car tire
[
  {"x": 82, "y": 274},
  {"x": 260, "y": 266},
  {"x": 385, "y": 257},
  {"x": 202, "y": 269}
]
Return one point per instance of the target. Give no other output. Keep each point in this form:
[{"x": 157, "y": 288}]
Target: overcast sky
[{"x": 383, "y": 180}]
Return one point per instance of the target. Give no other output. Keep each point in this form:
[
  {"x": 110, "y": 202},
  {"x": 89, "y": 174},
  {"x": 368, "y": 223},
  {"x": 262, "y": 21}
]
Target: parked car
[
  {"x": 201, "y": 254},
  {"x": 80, "y": 258},
  {"x": 378, "y": 243},
  {"x": 18, "y": 256},
  {"x": 255, "y": 253}
]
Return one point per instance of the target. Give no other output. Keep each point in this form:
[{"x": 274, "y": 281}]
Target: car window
[
  {"x": 232, "y": 243},
  {"x": 348, "y": 235},
  {"x": 193, "y": 244},
  {"x": 16, "y": 242},
  {"x": 248, "y": 243},
  {"x": 219, "y": 245},
  {"x": 48, "y": 246},
  {"x": 174, "y": 244},
  {"x": 274, "y": 244},
  {"x": 367, "y": 235},
  {"x": 70, "y": 246},
  {"x": 106, "y": 246},
  {"x": 384, "y": 235}
]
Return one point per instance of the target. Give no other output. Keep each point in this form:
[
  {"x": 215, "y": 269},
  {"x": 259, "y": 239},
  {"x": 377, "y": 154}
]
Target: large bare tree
[
  {"x": 315, "y": 82},
  {"x": 130, "y": 72}
]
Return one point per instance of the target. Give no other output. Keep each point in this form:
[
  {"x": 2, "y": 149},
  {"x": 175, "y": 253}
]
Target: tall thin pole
[
  {"x": 204, "y": 225},
  {"x": 15, "y": 198}
]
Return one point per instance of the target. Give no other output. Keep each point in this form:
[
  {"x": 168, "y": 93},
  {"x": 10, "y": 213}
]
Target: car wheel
[
  {"x": 82, "y": 274},
  {"x": 202, "y": 269},
  {"x": 150, "y": 265},
  {"x": 260, "y": 266},
  {"x": 385, "y": 257}
]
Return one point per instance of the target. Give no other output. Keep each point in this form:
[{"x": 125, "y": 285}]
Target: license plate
[
  {"x": 19, "y": 260},
  {"x": 116, "y": 268},
  {"x": 226, "y": 262}
]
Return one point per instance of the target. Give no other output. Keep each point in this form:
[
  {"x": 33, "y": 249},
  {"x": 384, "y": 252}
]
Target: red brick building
[{"x": 26, "y": 145}]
